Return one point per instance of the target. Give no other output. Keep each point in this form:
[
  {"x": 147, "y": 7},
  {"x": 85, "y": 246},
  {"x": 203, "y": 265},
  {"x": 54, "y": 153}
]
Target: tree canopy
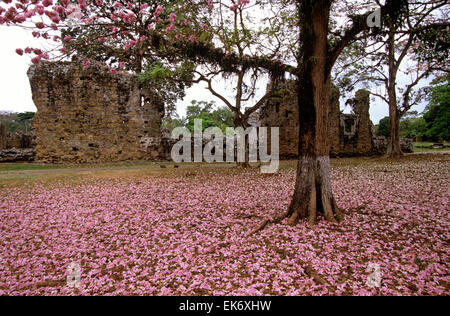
[
  {"x": 221, "y": 117},
  {"x": 437, "y": 113}
]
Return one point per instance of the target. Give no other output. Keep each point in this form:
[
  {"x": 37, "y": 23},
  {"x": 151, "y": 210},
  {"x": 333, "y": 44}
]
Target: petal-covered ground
[{"x": 185, "y": 232}]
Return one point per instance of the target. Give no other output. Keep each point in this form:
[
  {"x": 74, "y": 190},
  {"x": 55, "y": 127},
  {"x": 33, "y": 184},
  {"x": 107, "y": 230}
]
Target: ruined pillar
[
  {"x": 349, "y": 134},
  {"x": 282, "y": 112},
  {"x": 2, "y": 136},
  {"x": 361, "y": 108}
]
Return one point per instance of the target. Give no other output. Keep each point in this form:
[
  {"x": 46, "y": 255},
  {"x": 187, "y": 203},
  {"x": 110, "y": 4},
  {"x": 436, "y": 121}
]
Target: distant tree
[
  {"x": 25, "y": 117},
  {"x": 198, "y": 107},
  {"x": 17, "y": 122},
  {"x": 413, "y": 127},
  {"x": 437, "y": 113},
  {"x": 170, "y": 123},
  {"x": 221, "y": 117},
  {"x": 383, "y": 127}
]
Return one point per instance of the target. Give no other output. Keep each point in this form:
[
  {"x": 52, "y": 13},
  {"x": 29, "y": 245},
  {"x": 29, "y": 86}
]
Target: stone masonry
[
  {"x": 87, "y": 115},
  {"x": 19, "y": 140},
  {"x": 356, "y": 131},
  {"x": 349, "y": 134}
]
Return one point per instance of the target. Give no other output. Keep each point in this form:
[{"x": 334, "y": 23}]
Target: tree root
[
  {"x": 309, "y": 270},
  {"x": 266, "y": 222},
  {"x": 313, "y": 196}
]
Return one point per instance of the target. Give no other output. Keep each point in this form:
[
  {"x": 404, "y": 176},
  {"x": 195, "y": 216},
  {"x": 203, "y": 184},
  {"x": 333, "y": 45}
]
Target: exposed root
[
  {"x": 260, "y": 227},
  {"x": 266, "y": 222},
  {"x": 244, "y": 165},
  {"x": 309, "y": 270},
  {"x": 249, "y": 216},
  {"x": 313, "y": 195}
]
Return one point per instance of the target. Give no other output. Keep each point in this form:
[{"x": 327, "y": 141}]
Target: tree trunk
[
  {"x": 246, "y": 163},
  {"x": 393, "y": 149},
  {"x": 238, "y": 122},
  {"x": 313, "y": 194}
]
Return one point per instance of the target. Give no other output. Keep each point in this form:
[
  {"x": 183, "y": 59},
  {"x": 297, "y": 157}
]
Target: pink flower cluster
[
  {"x": 239, "y": 3},
  {"x": 187, "y": 234},
  {"x": 48, "y": 15}
]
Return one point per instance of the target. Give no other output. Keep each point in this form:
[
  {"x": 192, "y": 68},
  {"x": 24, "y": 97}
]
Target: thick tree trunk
[
  {"x": 239, "y": 123},
  {"x": 313, "y": 194},
  {"x": 393, "y": 149},
  {"x": 246, "y": 163}
]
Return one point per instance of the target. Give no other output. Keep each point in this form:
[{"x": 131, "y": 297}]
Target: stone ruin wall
[
  {"x": 87, "y": 115},
  {"x": 280, "y": 113},
  {"x": 349, "y": 134},
  {"x": 15, "y": 146},
  {"x": 19, "y": 140},
  {"x": 356, "y": 131}
]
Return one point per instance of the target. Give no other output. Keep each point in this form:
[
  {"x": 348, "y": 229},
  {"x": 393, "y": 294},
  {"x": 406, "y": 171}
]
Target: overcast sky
[{"x": 15, "y": 91}]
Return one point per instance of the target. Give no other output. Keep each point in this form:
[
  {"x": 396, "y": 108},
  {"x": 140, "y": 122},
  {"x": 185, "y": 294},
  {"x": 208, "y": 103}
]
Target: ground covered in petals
[{"x": 144, "y": 230}]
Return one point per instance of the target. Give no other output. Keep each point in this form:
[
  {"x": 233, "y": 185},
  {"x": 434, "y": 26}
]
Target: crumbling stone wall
[
  {"x": 87, "y": 115},
  {"x": 349, "y": 134},
  {"x": 282, "y": 112},
  {"x": 356, "y": 131},
  {"x": 18, "y": 140}
]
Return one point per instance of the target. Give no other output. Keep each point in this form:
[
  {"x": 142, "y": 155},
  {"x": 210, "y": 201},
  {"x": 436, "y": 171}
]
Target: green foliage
[
  {"x": 170, "y": 82},
  {"x": 434, "y": 44},
  {"x": 221, "y": 117},
  {"x": 383, "y": 127},
  {"x": 171, "y": 123},
  {"x": 155, "y": 73},
  {"x": 437, "y": 113},
  {"x": 413, "y": 127},
  {"x": 17, "y": 122},
  {"x": 158, "y": 74}
]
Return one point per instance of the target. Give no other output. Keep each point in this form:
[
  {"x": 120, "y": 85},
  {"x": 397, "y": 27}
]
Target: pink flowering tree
[
  {"x": 130, "y": 36},
  {"x": 151, "y": 38},
  {"x": 105, "y": 23}
]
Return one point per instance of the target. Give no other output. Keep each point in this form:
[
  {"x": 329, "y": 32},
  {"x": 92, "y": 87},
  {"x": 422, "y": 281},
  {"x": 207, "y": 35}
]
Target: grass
[
  {"x": 418, "y": 145},
  {"x": 18, "y": 174},
  {"x": 19, "y": 166}
]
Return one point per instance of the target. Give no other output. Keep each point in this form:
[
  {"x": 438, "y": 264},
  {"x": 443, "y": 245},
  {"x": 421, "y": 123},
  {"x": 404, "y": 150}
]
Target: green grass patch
[
  {"x": 20, "y": 166},
  {"x": 419, "y": 147}
]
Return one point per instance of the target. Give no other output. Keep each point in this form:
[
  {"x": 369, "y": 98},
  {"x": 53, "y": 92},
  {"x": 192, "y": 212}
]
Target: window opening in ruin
[{"x": 348, "y": 126}]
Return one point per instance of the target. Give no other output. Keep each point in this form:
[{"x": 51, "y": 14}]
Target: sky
[{"x": 15, "y": 91}]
